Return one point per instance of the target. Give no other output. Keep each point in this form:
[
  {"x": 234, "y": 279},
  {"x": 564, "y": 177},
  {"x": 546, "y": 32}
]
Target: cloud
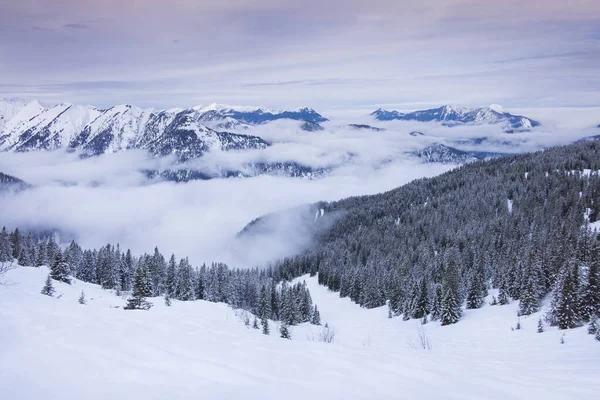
[
  {"x": 280, "y": 53},
  {"x": 107, "y": 199}
]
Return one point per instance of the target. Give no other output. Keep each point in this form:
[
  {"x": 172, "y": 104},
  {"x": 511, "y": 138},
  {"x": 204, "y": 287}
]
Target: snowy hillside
[
  {"x": 452, "y": 115},
  {"x": 54, "y": 347}
]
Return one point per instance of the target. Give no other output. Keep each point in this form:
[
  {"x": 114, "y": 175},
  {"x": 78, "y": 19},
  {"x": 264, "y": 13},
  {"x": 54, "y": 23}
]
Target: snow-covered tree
[
  {"x": 451, "y": 310},
  {"x": 284, "y": 331},
  {"x": 142, "y": 288},
  {"x": 60, "y": 269},
  {"x": 316, "y": 317},
  {"x": 48, "y": 288}
]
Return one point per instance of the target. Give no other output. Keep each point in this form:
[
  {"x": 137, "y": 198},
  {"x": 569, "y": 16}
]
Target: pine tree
[
  {"x": 60, "y": 269},
  {"x": 167, "y": 300},
  {"x": 529, "y": 302},
  {"x": 5, "y": 247},
  {"x": 255, "y": 323},
  {"x": 171, "y": 284},
  {"x": 185, "y": 290},
  {"x": 590, "y": 294},
  {"x": 81, "y": 299},
  {"x": 421, "y": 307},
  {"x": 436, "y": 309},
  {"x": 141, "y": 289},
  {"x": 474, "y": 295},
  {"x": 264, "y": 310},
  {"x": 316, "y": 317},
  {"x": 265, "y": 326},
  {"x": 451, "y": 311},
  {"x": 48, "y": 288},
  {"x": 15, "y": 238},
  {"x": 540, "y": 327},
  {"x": 593, "y": 326},
  {"x": 200, "y": 285},
  {"x": 598, "y": 335},
  {"x": 284, "y": 331},
  {"x": 564, "y": 308},
  {"x": 503, "y": 297}
]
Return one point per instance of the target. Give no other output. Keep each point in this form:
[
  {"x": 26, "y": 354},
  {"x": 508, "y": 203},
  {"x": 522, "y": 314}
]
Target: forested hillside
[{"x": 518, "y": 223}]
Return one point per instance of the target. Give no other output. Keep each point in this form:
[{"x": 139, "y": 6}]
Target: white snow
[
  {"x": 497, "y": 107},
  {"x": 509, "y": 204},
  {"x": 57, "y": 348}
]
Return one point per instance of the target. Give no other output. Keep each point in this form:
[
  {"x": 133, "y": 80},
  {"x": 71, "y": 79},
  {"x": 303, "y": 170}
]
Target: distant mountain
[
  {"x": 440, "y": 153},
  {"x": 452, "y": 116},
  {"x": 363, "y": 126},
  {"x": 288, "y": 169},
  {"x": 254, "y": 116},
  {"x": 310, "y": 126},
  {"x": 11, "y": 183}
]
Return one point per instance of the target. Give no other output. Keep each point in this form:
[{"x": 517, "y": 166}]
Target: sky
[{"x": 330, "y": 55}]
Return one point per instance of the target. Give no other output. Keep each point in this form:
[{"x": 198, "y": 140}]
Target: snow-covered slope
[
  {"x": 53, "y": 347},
  {"x": 452, "y": 115}
]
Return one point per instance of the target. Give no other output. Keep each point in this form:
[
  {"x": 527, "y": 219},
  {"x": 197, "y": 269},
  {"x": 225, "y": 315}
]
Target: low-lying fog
[{"x": 106, "y": 199}]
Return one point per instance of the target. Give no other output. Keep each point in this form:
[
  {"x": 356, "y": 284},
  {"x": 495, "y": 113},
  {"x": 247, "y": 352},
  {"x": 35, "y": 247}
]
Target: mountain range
[
  {"x": 185, "y": 133},
  {"x": 452, "y": 116}
]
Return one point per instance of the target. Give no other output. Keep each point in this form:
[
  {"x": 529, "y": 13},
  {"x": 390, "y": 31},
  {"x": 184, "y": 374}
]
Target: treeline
[
  {"x": 260, "y": 291},
  {"x": 519, "y": 224}
]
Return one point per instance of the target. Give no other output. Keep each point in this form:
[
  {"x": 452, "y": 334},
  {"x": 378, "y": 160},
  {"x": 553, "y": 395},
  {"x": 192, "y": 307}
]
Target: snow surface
[{"x": 53, "y": 347}]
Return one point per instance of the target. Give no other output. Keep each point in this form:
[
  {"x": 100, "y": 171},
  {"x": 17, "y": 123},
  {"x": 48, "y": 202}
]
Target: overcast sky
[{"x": 329, "y": 54}]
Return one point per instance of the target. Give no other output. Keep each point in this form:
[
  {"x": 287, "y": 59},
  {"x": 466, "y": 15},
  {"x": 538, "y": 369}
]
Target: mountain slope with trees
[{"x": 521, "y": 224}]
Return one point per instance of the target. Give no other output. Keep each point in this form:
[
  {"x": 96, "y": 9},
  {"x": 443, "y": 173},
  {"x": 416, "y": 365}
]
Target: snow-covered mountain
[
  {"x": 441, "y": 153},
  {"x": 26, "y": 126},
  {"x": 253, "y": 116},
  {"x": 451, "y": 116}
]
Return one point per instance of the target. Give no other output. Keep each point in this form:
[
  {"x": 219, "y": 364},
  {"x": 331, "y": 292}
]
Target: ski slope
[{"x": 55, "y": 348}]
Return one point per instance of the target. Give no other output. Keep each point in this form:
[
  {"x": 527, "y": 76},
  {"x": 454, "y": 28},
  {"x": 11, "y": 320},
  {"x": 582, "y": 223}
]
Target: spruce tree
[
  {"x": 265, "y": 326},
  {"x": 255, "y": 323},
  {"x": 564, "y": 308},
  {"x": 503, "y": 296},
  {"x": 540, "y": 327},
  {"x": 48, "y": 288},
  {"x": 593, "y": 326},
  {"x": 200, "y": 285},
  {"x": 60, "y": 269},
  {"x": 451, "y": 310},
  {"x": 167, "y": 299},
  {"x": 529, "y": 302},
  {"x": 15, "y": 238},
  {"x": 5, "y": 247},
  {"x": 185, "y": 290},
  {"x": 284, "y": 331},
  {"x": 81, "y": 299},
  {"x": 474, "y": 294},
  {"x": 316, "y": 317},
  {"x": 436, "y": 308},
  {"x": 171, "y": 284},
  {"x": 141, "y": 289},
  {"x": 421, "y": 307},
  {"x": 590, "y": 296}
]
